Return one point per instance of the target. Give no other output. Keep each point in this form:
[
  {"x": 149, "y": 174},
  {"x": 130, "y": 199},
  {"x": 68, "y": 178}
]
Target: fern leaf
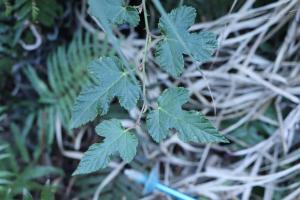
[
  {"x": 34, "y": 10},
  {"x": 48, "y": 10},
  {"x": 111, "y": 79},
  {"x": 178, "y": 41},
  {"x": 117, "y": 140},
  {"x": 67, "y": 74},
  {"x": 8, "y": 7},
  {"x": 192, "y": 126}
]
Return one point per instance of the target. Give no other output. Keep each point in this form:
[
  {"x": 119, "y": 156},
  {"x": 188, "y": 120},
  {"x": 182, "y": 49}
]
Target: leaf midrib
[
  {"x": 116, "y": 139},
  {"x": 96, "y": 99},
  {"x": 169, "y": 114}
]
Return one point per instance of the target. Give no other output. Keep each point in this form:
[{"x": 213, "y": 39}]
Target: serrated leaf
[
  {"x": 191, "y": 126},
  {"x": 111, "y": 79},
  {"x": 117, "y": 140},
  {"x": 178, "y": 41},
  {"x": 114, "y": 12}
]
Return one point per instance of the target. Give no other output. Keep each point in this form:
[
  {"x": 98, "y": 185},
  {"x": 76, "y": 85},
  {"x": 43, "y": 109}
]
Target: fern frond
[
  {"x": 8, "y": 7},
  {"x": 67, "y": 74},
  {"x": 48, "y": 11},
  {"x": 67, "y": 71},
  {"x": 14, "y": 179},
  {"x": 43, "y": 11},
  {"x": 34, "y": 10},
  {"x": 5, "y": 174}
]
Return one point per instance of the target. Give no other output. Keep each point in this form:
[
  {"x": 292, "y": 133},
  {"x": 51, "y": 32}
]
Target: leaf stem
[
  {"x": 148, "y": 41},
  {"x": 143, "y": 64}
]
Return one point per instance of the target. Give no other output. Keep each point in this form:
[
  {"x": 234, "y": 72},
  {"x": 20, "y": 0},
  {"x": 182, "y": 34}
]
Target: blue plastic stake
[{"x": 152, "y": 183}]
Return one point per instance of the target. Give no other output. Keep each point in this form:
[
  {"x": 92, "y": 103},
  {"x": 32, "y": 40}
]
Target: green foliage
[
  {"x": 192, "y": 126},
  {"x": 114, "y": 12},
  {"x": 27, "y": 195},
  {"x": 252, "y": 132},
  {"x": 5, "y": 175},
  {"x": 35, "y": 10},
  {"x": 48, "y": 193},
  {"x": 8, "y": 7},
  {"x": 2, "y": 116},
  {"x": 7, "y": 42},
  {"x": 67, "y": 74},
  {"x": 43, "y": 11},
  {"x": 117, "y": 140},
  {"x": 14, "y": 19},
  {"x": 20, "y": 174},
  {"x": 111, "y": 79},
  {"x": 15, "y": 180},
  {"x": 124, "y": 15},
  {"x": 177, "y": 41}
]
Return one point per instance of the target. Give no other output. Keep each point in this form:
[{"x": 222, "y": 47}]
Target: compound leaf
[
  {"x": 117, "y": 140},
  {"x": 178, "y": 41},
  {"x": 114, "y": 12},
  {"x": 111, "y": 79},
  {"x": 191, "y": 126}
]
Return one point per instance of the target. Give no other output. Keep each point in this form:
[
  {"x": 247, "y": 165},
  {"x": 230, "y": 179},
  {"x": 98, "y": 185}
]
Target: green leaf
[
  {"x": 20, "y": 142},
  {"x": 35, "y": 172},
  {"x": 111, "y": 79},
  {"x": 191, "y": 126},
  {"x": 115, "y": 12},
  {"x": 27, "y": 195},
  {"x": 48, "y": 192},
  {"x": 178, "y": 41},
  {"x": 106, "y": 13},
  {"x": 117, "y": 140}
]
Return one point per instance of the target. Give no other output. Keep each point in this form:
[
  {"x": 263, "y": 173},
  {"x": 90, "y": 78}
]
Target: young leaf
[
  {"x": 117, "y": 140},
  {"x": 111, "y": 79},
  {"x": 177, "y": 41},
  {"x": 114, "y": 12},
  {"x": 106, "y": 13},
  {"x": 191, "y": 126}
]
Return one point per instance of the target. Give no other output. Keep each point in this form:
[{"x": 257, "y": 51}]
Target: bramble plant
[{"x": 116, "y": 77}]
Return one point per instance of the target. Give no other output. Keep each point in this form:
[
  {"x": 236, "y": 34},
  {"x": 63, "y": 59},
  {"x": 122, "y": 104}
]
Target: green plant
[
  {"x": 67, "y": 74},
  {"x": 20, "y": 173},
  {"x": 17, "y": 19},
  {"x": 177, "y": 41},
  {"x": 16, "y": 180},
  {"x": 117, "y": 77},
  {"x": 42, "y": 11}
]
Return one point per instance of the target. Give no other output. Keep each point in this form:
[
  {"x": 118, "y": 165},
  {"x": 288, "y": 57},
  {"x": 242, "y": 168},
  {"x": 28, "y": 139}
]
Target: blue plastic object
[{"x": 151, "y": 183}]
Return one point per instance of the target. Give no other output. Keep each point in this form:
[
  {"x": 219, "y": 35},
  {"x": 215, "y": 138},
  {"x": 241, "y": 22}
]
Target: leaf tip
[
  {"x": 75, "y": 173},
  {"x": 224, "y": 140},
  {"x": 73, "y": 124}
]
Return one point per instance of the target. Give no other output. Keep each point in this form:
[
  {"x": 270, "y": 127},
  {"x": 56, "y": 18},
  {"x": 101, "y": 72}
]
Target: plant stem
[
  {"x": 148, "y": 41},
  {"x": 143, "y": 64}
]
